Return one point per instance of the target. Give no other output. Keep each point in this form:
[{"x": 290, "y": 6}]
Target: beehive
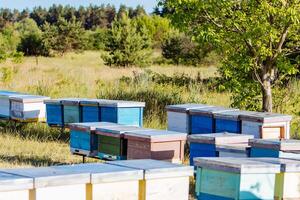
[
  {"x": 54, "y": 112},
  {"x": 50, "y": 183},
  {"x": 228, "y": 121},
  {"x": 218, "y": 145},
  {"x": 202, "y": 119},
  {"x": 266, "y": 125},
  {"x": 72, "y": 112},
  {"x": 14, "y": 187},
  {"x": 234, "y": 178},
  {"x": 288, "y": 180},
  {"x": 277, "y": 148},
  {"x": 28, "y": 108},
  {"x": 178, "y": 116},
  {"x": 111, "y": 142},
  {"x": 83, "y": 140},
  {"x": 156, "y": 144},
  {"x": 162, "y": 180},
  {"x": 123, "y": 112},
  {"x": 91, "y": 110},
  {"x": 5, "y": 103},
  {"x": 109, "y": 182}
]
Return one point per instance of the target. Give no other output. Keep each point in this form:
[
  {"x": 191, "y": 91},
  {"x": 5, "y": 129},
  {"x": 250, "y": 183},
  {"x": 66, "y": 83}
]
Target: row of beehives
[
  {"x": 128, "y": 180},
  {"x": 200, "y": 118},
  {"x": 271, "y": 172},
  {"x": 22, "y": 107},
  {"x": 118, "y": 142},
  {"x": 61, "y": 112}
]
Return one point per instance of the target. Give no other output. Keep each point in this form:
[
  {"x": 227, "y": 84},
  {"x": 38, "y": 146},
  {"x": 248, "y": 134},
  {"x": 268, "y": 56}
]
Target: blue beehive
[
  {"x": 83, "y": 140},
  {"x": 235, "y": 178},
  {"x": 202, "y": 119},
  {"x": 218, "y": 145},
  {"x": 72, "y": 111},
  {"x": 54, "y": 112},
  {"x": 228, "y": 121},
  {"x": 90, "y": 110},
  {"x": 123, "y": 112},
  {"x": 276, "y": 148}
]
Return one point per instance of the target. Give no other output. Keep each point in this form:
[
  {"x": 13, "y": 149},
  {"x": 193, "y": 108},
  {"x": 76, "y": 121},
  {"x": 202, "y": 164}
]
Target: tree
[
  {"x": 127, "y": 45},
  {"x": 253, "y": 37},
  {"x": 64, "y": 36}
]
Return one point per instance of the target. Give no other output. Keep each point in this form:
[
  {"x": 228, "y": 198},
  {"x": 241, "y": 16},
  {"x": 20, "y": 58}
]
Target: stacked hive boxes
[
  {"x": 218, "y": 145},
  {"x": 83, "y": 140},
  {"x": 28, "y": 108},
  {"x": 238, "y": 178},
  {"x": 132, "y": 180},
  {"x": 277, "y": 148}
]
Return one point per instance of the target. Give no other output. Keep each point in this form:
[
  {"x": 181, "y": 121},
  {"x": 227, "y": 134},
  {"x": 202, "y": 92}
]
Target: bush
[
  {"x": 180, "y": 49},
  {"x": 127, "y": 44}
]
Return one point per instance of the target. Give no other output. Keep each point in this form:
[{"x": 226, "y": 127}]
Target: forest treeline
[{"x": 126, "y": 36}]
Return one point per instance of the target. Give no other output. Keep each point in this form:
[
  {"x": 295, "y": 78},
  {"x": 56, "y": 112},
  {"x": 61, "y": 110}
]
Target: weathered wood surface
[
  {"x": 276, "y": 144},
  {"x": 219, "y": 138}
]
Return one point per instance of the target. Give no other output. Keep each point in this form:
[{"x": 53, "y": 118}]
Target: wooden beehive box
[
  {"x": 111, "y": 142},
  {"x": 202, "y": 119},
  {"x": 218, "y": 145},
  {"x": 108, "y": 182},
  {"x": 72, "y": 111},
  {"x": 5, "y": 103},
  {"x": 50, "y": 183},
  {"x": 235, "y": 178},
  {"x": 28, "y": 108},
  {"x": 178, "y": 116},
  {"x": 288, "y": 180},
  {"x": 162, "y": 180},
  {"x": 228, "y": 121},
  {"x": 54, "y": 112},
  {"x": 123, "y": 112},
  {"x": 91, "y": 110},
  {"x": 156, "y": 144},
  {"x": 277, "y": 148},
  {"x": 14, "y": 187},
  {"x": 83, "y": 140},
  {"x": 266, "y": 125}
]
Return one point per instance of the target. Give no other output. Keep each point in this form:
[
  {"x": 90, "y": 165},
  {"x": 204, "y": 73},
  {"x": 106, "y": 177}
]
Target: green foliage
[
  {"x": 96, "y": 40},
  {"x": 7, "y": 74},
  {"x": 180, "y": 49},
  {"x": 128, "y": 44},
  {"x": 254, "y": 38},
  {"x": 64, "y": 36}
]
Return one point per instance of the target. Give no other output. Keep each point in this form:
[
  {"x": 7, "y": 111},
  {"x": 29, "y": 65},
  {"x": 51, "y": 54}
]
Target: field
[{"x": 85, "y": 75}]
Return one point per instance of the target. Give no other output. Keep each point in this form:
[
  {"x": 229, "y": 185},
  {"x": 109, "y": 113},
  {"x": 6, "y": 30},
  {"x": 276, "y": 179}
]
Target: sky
[{"x": 21, "y": 4}]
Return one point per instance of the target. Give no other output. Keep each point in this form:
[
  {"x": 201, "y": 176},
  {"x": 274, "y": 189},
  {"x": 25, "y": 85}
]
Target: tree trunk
[{"x": 267, "y": 96}]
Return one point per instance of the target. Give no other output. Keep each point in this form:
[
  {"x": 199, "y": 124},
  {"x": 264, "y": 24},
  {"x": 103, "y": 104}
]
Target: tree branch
[{"x": 281, "y": 42}]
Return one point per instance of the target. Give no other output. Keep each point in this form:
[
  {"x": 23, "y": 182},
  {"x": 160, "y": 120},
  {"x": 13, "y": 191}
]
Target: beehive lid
[
  {"x": 220, "y": 138},
  {"x": 29, "y": 98},
  {"x": 230, "y": 115},
  {"x": 157, "y": 135},
  {"x": 236, "y": 165},
  {"x": 10, "y": 182},
  {"x": 210, "y": 110},
  {"x": 53, "y": 101},
  {"x": 95, "y": 102},
  {"x": 104, "y": 172},
  {"x": 91, "y": 126},
  {"x": 265, "y": 117},
  {"x": 286, "y": 165},
  {"x": 124, "y": 104},
  {"x": 117, "y": 130},
  {"x": 276, "y": 144},
  {"x": 155, "y": 168},
  {"x": 49, "y": 176},
  {"x": 233, "y": 148},
  {"x": 185, "y": 107},
  {"x": 7, "y": 95},
  {"x": 72, "y": 101}
]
